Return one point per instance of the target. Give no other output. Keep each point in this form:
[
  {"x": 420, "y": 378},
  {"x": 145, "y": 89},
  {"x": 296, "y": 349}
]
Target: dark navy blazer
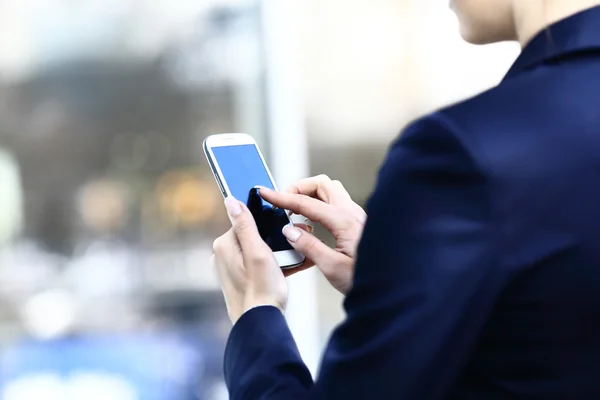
[{"x": 478, "y": 274}]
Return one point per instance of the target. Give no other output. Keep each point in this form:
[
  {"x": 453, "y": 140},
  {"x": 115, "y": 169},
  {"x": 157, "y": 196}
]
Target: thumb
[
  {"x": 244, "y": 226},
  {"x": 307, "y": 244}
]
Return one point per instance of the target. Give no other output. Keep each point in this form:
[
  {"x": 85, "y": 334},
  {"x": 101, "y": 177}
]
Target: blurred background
[{"x": 108, "y": 209}]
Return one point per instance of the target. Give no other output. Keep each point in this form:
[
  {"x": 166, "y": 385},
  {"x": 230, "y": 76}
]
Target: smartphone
[{"x": 239, "y": 167}]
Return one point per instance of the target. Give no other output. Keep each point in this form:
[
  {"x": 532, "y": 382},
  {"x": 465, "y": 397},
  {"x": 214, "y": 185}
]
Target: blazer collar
[{"x": 579, "y": 33}]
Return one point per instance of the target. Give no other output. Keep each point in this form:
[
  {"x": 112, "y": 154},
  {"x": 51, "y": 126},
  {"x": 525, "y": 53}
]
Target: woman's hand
[
  {"x": 248, "y": 272},
  {"x": 327, "y": 202}
]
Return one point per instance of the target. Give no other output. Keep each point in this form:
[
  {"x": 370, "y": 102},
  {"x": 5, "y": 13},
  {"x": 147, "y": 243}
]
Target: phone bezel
[{"x": 286, "y": 258}]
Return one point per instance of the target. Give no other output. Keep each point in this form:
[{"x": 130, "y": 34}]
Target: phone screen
[{"x": 243, "y": 169}]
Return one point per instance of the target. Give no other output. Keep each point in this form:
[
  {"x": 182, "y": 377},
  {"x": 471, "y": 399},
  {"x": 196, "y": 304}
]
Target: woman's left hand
[{"x": 246, "y": 267}]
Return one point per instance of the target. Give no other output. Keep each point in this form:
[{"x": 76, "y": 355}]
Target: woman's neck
[{"x": 531, "y": 17}]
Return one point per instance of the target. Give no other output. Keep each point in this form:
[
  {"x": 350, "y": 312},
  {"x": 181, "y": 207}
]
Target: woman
[{"x": 478, "y": 272}]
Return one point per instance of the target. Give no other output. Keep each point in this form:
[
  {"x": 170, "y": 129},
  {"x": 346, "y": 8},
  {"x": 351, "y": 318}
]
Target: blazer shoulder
[
  {"x": 437, "y": 139},
  {"x": 491, "y": 123},
  {"x": 516, "y": 105}
]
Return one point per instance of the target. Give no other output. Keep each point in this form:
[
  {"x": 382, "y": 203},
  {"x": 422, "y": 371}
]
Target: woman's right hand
[{"x": 327, "y": 202}]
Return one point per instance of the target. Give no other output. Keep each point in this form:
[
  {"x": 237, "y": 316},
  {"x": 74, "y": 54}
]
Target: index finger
[
  {"x": 315, "y": 186},
  {"x": 320, "y": 187},
  {"x": 314, "y": 209}
]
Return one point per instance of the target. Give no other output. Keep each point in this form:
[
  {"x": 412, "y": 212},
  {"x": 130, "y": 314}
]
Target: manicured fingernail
[
  {"x": 291, "y": 233},
  {"x": 233, "y": 207},
  {"x": 263, "y": 189}
]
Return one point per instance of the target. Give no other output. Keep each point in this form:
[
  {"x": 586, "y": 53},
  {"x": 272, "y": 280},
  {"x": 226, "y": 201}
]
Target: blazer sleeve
[{"x": 425, "y": 283}]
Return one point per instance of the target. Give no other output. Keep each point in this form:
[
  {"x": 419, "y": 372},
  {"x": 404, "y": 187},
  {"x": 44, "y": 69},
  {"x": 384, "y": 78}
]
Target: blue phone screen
[{"x": 242, "y": 170}]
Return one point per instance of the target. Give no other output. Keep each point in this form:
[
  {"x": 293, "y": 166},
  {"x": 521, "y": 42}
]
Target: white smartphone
[{"x": 238, "y": 167}]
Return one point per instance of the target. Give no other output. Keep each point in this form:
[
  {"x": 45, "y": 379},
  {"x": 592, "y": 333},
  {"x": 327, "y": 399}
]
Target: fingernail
[
  {"x": 233, "y": 207},
  {"x": 291, "y": 233},
  {"x": 263, "y": 189}
]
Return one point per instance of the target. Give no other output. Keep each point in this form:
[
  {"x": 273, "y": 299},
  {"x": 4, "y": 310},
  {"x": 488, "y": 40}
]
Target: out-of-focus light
[
  {"x": 51, "y": 386},
  {"x": 192, "y": 202},
  {"x": 50, "y": 314},
  {"x": 185, "y": 200},
  {"x": 95, "y": 386},
  {"x": 102, "y": 271},
  {"x": 16, "y": 52},
  {"x": 25, "y": 266},
  {"x": 102, "y": 205},
  {"x": 39, "y": 386}
]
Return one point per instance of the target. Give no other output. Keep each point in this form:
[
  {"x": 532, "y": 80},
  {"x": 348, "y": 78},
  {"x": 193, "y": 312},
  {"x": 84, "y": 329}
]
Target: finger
[
  {"x": 244, "y": 227},
  {"x": 316, "y": 186},
  {"x": 313, "y": 209},
  {"x": 311, "y": 247},
  {"x": 339, "y": 190},
  {"x": 321, "y": 187}
]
